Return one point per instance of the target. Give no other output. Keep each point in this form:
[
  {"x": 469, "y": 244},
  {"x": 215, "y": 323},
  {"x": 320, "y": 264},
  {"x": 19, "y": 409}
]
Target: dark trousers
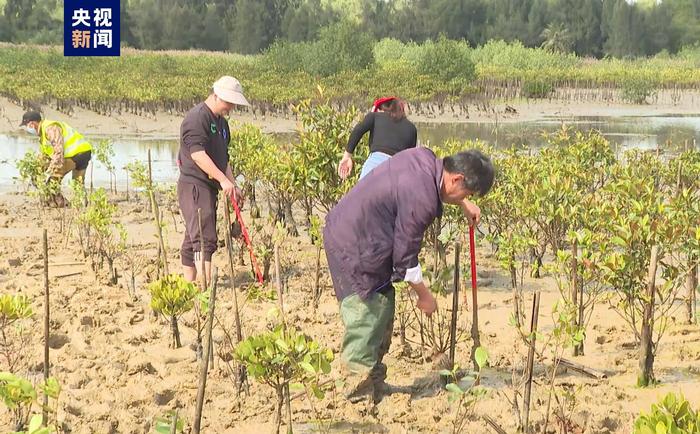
[{"x": 192, "y": 197}]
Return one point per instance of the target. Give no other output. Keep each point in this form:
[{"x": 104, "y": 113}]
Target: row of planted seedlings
[
  {"x": 616, "y": 230},
  {"x": 303, "y": 178},
  {"x": 555, "y": 200},
  {"x": 573, "y": 209},
  {"x": 92, "y": 221}
]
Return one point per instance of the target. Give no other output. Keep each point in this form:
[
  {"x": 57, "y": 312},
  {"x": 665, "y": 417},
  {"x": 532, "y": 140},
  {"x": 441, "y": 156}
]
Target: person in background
[
  {"x": 390, "y": 132},
  {"x": 204, "y": 170},
  {"x": 399, "y": 200},
  {"x": 68, "y": 150}
]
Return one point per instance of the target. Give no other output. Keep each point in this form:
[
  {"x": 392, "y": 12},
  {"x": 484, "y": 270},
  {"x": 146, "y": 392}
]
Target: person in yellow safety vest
[{"x": 68, "y": 150}]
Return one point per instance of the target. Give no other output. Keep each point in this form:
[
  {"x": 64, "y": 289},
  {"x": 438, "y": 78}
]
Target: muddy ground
[{"x": 112, "y": 358}]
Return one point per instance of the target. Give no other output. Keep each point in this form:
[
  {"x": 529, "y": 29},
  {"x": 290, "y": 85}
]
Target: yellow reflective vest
[{"x": 73, "y": 142}]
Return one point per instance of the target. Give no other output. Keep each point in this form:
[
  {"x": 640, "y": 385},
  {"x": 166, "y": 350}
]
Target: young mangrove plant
[
  {"x": 14, "y": 336},
  {"x": 463, "y": 392},
  {"x": 283, "y": 356},
  {"x": 172, "y": 296}
]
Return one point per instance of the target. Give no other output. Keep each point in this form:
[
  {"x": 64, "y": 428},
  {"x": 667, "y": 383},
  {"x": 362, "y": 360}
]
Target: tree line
[{"x": 597, "y": 28}]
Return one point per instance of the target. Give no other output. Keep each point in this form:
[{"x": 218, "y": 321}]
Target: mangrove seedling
[{"x": 172, "y": 296}]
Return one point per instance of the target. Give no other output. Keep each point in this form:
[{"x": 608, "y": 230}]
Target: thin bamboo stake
[
  {"x": 476, "y": 340},
  {"x": 156, "y": 216},
  {"x": 278, "y": 281},
  {"x": 578, "y": 349},
  {"x": 646, "y": 349},
  {"x": 207, "y": 352},
  {"x": 236, "y": 313},
  {"x": 530, "y": 361},
  {"x": 173, "y": 423},
  {"x": 46, "y": 322}
]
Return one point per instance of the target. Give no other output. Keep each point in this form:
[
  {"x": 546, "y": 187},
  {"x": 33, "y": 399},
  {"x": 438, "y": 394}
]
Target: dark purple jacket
[{"x": 373, "y": 235}]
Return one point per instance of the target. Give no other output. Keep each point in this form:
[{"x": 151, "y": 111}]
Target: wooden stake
[
  {"x": 173, "y": 423},
  {"x": 492, "y": 423},
  {"x": 692, "y": 282},
  {"x": 236, "y": 313},
  {"x": 476, "y": 340},
  {"x": 530, "y": 361},
  {"x": 46, "y": 322},
  {"x": 75, "y": 273},
  {"x": 150, "y": 173},
  {"x": 202, "y": 280},
  {"x": 203, "y": 276},
  {"x": 593, "y": 373},
  {"x": 207, "y": 352},
  {"x": 455, "y": 307},
  {"x": 317, "y": 280},
  {"x": 159, "y": 230},
  {"x": 578, "y": 349},
  {"x": 646, "y": 350},
  {"x": 61, "y": 264},
  {"x": 280, "y": 296},
  {"x": 278, "y": 284}
]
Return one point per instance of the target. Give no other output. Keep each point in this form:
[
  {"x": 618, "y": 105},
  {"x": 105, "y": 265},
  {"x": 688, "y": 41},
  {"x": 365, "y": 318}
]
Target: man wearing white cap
[{"x": 204, "y": 170}]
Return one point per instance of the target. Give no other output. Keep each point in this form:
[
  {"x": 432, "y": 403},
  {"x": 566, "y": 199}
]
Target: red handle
[
  {"x": 472, "y": 255},
  {"x": 246, "y": 237}
]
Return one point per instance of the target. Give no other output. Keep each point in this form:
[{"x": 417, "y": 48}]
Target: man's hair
[{"x": 476, "y": 168}]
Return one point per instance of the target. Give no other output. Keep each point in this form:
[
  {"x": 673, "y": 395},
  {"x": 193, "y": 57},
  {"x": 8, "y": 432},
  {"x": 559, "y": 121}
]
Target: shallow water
[{"x": 646, "y": 132}]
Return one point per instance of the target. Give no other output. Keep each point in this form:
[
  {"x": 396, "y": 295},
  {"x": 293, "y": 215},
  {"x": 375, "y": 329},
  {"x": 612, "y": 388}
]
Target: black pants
[{"x": 192, "y": 197}]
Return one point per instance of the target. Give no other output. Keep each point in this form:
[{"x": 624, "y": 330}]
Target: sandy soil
[
  {"x": 112, "y": 358},
  {"x": 166, "y": 125}
]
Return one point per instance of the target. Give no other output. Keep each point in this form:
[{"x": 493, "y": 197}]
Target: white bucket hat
[{"x": 230, "y": 90}]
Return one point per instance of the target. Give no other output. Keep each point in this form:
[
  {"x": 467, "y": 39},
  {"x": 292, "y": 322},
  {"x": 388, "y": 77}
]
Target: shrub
[
  {"x": 388, "y": 50},
  {"x": 341, "y": 47},
  {"x": 637, "y": 90},
  {"x": 281, "y": 356},
  {"x": 672, "y": 415},
  {"x": 14, "y": 309},
  {"x": 536, "y": 88},
  {"x": 447, "y": 60},
  {"x": 172, "y": 296}
]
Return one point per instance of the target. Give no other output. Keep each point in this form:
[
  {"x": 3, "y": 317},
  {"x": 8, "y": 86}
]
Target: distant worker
[
  {"x": 204, "y": 170},
  {"x": 68, "y": 150},
  {"x": 390, "y": 132}
]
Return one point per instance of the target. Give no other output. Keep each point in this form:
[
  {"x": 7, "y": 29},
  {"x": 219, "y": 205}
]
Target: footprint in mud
[
  {"x": 163, "y": 397},
  {"x": 57, "y": 341}
]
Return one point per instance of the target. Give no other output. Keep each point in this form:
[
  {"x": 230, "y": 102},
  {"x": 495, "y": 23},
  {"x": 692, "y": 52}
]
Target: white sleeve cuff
[{"x": 414, "y": 275}]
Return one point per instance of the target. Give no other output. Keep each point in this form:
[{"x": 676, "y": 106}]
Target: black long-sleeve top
[{"x": 385, "y": 134}]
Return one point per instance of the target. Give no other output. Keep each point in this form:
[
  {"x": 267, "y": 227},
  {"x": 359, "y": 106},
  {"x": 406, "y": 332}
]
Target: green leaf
[
  {"x": 619, "y": 241},
  {"x": 35, "y": 423},
  {"x": 318, "y": 393},
  {"x": 481, "y": 357},
  {"x": 660, "y": 428},
  {"x": 325, "y": 366},
  {"x": 307, "y": 367},
  {"x": 453, "y": 388},
  {"x": 445, "y": 373},
  {"x": 282, "y": 345}
]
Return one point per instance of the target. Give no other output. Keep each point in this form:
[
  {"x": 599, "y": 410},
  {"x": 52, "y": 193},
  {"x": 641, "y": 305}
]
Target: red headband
[{"x": 380, "y": 101}]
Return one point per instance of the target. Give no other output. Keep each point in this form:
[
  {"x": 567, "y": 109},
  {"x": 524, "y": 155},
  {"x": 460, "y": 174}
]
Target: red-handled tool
[
  {"x": 475, "y": 307},
  {"x": 246, "y": 237}
]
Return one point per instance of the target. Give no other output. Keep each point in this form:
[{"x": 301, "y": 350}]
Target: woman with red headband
[{"x": 389, "y": 133}]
